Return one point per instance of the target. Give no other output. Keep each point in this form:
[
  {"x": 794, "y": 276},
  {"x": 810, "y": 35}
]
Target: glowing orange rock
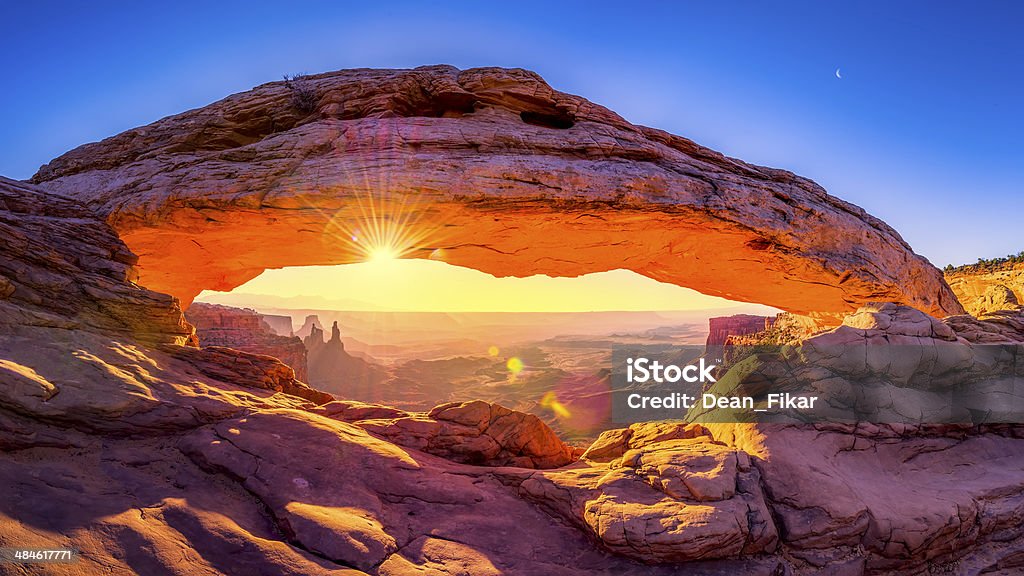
[{"x": 486, "y": 168}]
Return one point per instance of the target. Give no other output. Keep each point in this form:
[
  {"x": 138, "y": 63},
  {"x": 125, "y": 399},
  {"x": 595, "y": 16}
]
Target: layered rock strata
[
  {"x": 248, "y": 331},
  {"x": 984, "y": 290},
  {"x": 82, "y": 347},
  {"x": 722, "y": 327}
]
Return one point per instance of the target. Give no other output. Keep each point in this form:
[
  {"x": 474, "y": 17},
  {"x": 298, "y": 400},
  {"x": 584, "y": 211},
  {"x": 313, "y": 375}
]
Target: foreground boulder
[
  {"x": 612, "y": 444},
  {"x": 668, "y": 500},
  {"x": 474, "y": 432}
]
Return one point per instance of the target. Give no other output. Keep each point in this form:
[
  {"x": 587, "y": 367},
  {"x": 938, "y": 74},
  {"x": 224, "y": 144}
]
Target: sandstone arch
[{"x": 486, "y": 168}]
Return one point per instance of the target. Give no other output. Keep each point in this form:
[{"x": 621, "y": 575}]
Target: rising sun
[{"x": 382, "y": 254}]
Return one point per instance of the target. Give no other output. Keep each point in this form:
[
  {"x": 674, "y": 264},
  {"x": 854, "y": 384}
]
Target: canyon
[{"x": 126, "y": 436}]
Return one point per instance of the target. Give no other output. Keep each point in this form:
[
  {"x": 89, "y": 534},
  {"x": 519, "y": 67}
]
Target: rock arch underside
[{"x": 486, "y": 168}]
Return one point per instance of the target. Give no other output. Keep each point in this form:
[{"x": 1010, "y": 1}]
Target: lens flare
[
  {"x": 493, "y": 351},
  {"x": 550, "y": 401},
  {"x": 514, "y": 365}
]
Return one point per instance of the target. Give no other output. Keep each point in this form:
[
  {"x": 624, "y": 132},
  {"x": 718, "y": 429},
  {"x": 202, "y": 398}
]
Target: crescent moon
[{"x": 838, "y": 75}]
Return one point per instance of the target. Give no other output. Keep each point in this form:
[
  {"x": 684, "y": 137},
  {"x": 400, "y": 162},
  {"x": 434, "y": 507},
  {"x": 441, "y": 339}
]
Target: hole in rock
[
  {"x": 559, "y": 120},
  {"x": 414, "y": 333}
]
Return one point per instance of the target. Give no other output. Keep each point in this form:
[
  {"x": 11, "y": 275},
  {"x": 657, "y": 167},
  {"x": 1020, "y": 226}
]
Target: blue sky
[{"x": 924, "y": 129}]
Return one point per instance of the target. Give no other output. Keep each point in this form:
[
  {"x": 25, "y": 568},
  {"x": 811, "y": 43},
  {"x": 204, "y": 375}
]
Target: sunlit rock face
[
  {"x": 475, "y": 432},
  {"x": 721, "y": 328},
  {"x": 985, "y": 291},
  {"x": 152, "y": 457},
  {"x": 486, "y": 168}
]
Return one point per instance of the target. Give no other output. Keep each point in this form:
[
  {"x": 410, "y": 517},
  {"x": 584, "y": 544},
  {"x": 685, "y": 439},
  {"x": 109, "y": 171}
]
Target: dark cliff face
[
  {"x": 245, "y": 330},
  {"x": 63, "y": 267}
]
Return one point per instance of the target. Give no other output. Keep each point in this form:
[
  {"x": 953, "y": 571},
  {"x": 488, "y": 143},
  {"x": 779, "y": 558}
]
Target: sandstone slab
[
  {"x": 474, "y": 432},
  {"x": 673, "y": 500}
]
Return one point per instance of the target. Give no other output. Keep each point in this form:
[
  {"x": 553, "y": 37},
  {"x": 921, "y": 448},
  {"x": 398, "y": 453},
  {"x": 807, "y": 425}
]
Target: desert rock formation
[
  {"x": 722, "y": 327},
  {"x": 469, "y": 432},
  {"x": 312, "y": 321},
  {"x": 333, "y": 369},
  {"x": 280, "y": 324},
  {"x": 61, "y": 268},
  {"x": 894, "y": 364},
  {"x": 84, "y": 348},
  {"x": 486, "y": 168},
  {"x": 121, "y": 438},
  {"x": 983, "y": 291},
  {"x": 248, "y": 331}
]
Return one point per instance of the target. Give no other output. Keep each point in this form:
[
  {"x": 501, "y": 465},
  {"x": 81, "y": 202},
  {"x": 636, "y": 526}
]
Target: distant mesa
[
  {"x": 312, "y": 321},
  {"x": 722, "y": 327},
  {"x": 281, "y": 325}
]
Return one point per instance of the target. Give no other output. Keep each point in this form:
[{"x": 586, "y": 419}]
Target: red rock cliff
[
  {"x": 244, "y": 329},
  {"x": 722, "y": 327}
]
